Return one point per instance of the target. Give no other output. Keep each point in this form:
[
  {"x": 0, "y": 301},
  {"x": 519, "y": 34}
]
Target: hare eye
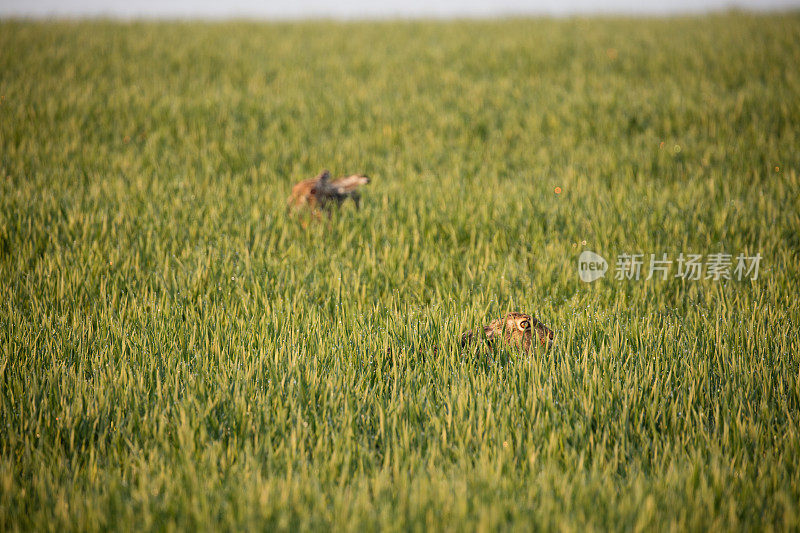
[{"x": 524, "y": 325}]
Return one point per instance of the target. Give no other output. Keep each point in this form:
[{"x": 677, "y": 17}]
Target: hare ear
[{"x": 323, "y": 176}]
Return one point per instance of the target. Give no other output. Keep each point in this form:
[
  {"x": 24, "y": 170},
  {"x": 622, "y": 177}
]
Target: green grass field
[{"x": 177, "y": 354}]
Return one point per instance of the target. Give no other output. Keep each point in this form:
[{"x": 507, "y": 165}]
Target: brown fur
[
  {"x": 347, "y": 187},
  {"x": 515, "y": 329},
  {"x": 321, "y": 193}
]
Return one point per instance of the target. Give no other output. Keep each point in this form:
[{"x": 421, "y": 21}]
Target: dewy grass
[{"x": 176, "y": 353}]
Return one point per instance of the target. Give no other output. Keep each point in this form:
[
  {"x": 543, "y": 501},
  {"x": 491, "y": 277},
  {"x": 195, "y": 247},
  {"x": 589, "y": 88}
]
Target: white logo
[{"x": 591, "y": 266}]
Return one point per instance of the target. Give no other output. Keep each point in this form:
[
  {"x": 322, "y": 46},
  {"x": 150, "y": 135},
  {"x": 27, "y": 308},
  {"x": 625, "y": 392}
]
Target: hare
[
  {"x": 321, "y": 193},
  {"x": 515, "y": 329}
]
